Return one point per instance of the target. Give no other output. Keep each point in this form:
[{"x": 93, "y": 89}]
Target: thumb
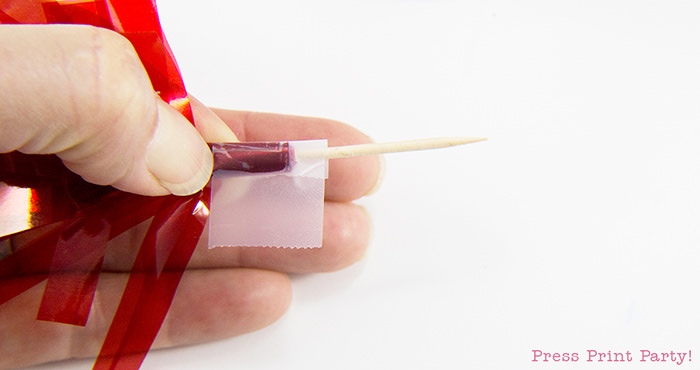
[
  {"x": 81, "y": 93},
  {"x": 176, "y": 156}
]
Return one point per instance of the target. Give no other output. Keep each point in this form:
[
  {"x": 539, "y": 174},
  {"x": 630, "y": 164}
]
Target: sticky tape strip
[{"x": 282, "y": 209}]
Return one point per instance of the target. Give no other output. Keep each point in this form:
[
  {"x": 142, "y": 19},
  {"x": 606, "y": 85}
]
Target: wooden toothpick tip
[{"x": 391, "y": 147}]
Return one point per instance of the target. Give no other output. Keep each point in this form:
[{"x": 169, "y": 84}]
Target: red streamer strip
[
  {"x": 75, "y": 268},
  {"x": 156, "y": 274},
  {"x": 70, "y": 221}
]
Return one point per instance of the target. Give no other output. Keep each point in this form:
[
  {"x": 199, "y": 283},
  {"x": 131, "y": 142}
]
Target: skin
[{"x": 81, "y": 93}]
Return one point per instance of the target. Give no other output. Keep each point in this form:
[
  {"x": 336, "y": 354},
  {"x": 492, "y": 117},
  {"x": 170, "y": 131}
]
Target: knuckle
[
  {"x": 114, "y": 107},
  {"x": 117, "y": 68},
  {"x": 114, "y": 92}
]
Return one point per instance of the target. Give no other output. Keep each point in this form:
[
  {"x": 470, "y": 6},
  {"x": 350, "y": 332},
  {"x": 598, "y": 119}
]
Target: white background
[{"x": 575, "y": 227}]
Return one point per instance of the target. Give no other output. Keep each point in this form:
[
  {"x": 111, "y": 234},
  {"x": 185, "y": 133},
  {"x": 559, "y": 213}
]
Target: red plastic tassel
[
  {"x": 162, "y": 259},
  {"x": 28, "y": 266},
  {"x": 162, "y": 70},
  {"x": 5, "y": 18},
  {"x": 93, "y": 13},
  {"x": 76, "y": 266},
  {"x": 23, "y": 11},
  {"x": 67, "y": 222},
  {"x": 138, "y": 22},
  {"x": 137, "y": 16}
]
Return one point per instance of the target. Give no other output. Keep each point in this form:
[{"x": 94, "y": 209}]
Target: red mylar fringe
[
  {"x": 75, "y": 268},
  {"x": 71, "y": 221},
  {"x": 162, "y": 259}
]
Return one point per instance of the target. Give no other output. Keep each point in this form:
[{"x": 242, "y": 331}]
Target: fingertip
[
  {"x": 352, "y": 178},
  {"x": 177, "y": 156},
  {"x": 210, "y": 126},
  {"x": 346, "y": 236}
]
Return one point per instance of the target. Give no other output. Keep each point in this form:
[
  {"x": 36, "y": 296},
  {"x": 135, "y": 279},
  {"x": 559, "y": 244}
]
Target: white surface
[{"x": 575, "y": 227}]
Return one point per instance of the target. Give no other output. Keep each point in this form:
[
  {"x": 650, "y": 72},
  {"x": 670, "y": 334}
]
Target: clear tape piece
[{"x": 279, "y": 209}]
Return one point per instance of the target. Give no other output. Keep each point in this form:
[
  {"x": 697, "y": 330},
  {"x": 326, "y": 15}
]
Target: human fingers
[
  {"x": 208, "y": 305},
  {"x": 348, "y": 178},
  {"x": 212, "y": 128},
  {"x": 346, "y": 235},
  {"x": 81, "y": 93}
]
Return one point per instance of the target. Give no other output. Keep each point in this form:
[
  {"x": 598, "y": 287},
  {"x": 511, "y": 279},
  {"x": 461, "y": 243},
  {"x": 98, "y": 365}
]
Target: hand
[
  {"x": 81, "y": 93},
  {"x": 226, "y": 291}
]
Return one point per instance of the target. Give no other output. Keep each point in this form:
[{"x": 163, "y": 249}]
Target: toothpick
[{"x": 391, "y": 147}]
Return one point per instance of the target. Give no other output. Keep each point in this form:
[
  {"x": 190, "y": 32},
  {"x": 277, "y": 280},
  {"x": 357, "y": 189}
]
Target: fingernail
[{"x": 177, "y": 156}]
